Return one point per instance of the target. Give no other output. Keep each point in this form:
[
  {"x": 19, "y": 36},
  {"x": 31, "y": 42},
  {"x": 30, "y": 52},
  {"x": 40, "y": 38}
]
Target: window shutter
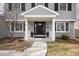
[
  {"x": 10, "y": 6},
  {"x": 46, "y": 4},
  {"x": 33, "y": 5},
  {"x": 22, "y": 6},
  {"x": 56, "y": 6},
  {"x": 12, "y": 26},
  {"x": 69, "y": 6},
  {"x": 24, "y": 26}
]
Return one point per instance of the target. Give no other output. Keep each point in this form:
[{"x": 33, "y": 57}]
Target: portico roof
[{"x": 40, "y": 11}]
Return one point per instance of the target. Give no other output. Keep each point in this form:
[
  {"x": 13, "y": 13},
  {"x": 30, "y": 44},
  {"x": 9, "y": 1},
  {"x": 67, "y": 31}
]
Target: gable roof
[{"x": 40, "y": 10}]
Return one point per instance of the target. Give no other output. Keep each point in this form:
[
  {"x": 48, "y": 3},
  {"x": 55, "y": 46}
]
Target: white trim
[
  {"x": 39, "y": 15},
  {"x": 42, "y": 7},
  {"x": 65, "y": 19},
  {"x": 15, "y": 20},
  {"x": 10, "y": 27},
  {"x": 43, "y": 16},
  {"x": 20, "y": 7}
]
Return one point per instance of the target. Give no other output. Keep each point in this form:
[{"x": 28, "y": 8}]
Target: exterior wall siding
[
  {"x": 19, "y": 34},
  {"x": 4, "y": 32},
  {"x": 68, "y": 14}
]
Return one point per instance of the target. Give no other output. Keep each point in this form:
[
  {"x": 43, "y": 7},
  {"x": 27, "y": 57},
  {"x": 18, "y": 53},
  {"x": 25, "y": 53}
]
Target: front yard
[
  {"x": 63, "y": 48},
  {"x": 17, "y": 44}
]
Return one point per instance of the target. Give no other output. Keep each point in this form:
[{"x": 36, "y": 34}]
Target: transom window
[
  {"x": 62, "y": 27},
  {"x": 17, "y": 26}
]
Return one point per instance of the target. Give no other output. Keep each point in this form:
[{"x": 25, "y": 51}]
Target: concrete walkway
[{"x": 37, "y": 49}]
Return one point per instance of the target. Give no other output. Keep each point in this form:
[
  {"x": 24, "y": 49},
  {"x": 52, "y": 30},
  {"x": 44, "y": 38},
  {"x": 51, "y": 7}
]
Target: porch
[
  {"x": 40, "y": 23},
  {"x": 40, "y": 29}
]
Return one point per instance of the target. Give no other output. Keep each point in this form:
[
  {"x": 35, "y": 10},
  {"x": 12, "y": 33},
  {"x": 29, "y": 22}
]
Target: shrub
[{"x": 64, "y": 37}]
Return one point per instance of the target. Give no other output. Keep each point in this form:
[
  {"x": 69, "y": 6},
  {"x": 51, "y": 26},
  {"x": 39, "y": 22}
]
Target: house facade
[{"x": 39, "y": 21}]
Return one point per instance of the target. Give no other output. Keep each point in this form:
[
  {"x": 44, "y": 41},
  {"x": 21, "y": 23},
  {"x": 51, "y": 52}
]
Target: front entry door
[{"x": 39, "y": 28}]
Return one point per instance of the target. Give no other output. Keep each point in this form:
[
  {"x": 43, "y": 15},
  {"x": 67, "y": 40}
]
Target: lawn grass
[
  {"x": 63, "y": 48},
  {"x": 17, "y": 44}
]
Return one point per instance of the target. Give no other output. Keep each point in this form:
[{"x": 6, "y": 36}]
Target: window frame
[
  {"x": 60, "y": 6},
  {"x": 21, "y": 7},
  {"x": 64, "y": 27},
  {"x": 9, "y": 6},
  {"x": 14, "y": 28}
]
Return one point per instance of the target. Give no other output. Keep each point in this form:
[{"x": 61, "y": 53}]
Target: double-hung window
[
  {"x": 62, "y": 27},
  {"x": 63, "y": 6},
  {"x": 17, "y": 26}
]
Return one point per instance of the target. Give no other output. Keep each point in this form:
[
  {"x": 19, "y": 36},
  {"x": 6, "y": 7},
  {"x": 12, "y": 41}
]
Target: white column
[
  {"x": 26, "y": 29},
  {"x": 53, "y": 29}
]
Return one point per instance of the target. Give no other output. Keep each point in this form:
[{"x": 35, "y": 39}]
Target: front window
[
  {"x": 62, "y": 26},
  {"x": 17, "y": 26}
]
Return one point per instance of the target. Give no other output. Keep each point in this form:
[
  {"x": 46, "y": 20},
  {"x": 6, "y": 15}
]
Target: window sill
[
  {"x": 62, "y": 31},
  {"x": 17, "y": 31}
]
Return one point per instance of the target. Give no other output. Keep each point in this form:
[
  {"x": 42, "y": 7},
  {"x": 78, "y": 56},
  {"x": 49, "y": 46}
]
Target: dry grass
[
  {"x": 63, "y": 48},
  {"x": 17, "y": 44}
]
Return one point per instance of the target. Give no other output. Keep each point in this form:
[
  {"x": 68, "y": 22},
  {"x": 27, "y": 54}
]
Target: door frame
[{"x": 40, "y": 22}]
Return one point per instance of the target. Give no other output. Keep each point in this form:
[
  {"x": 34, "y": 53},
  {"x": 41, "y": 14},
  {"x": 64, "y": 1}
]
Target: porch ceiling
[{"x": 40, "y": 11}]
